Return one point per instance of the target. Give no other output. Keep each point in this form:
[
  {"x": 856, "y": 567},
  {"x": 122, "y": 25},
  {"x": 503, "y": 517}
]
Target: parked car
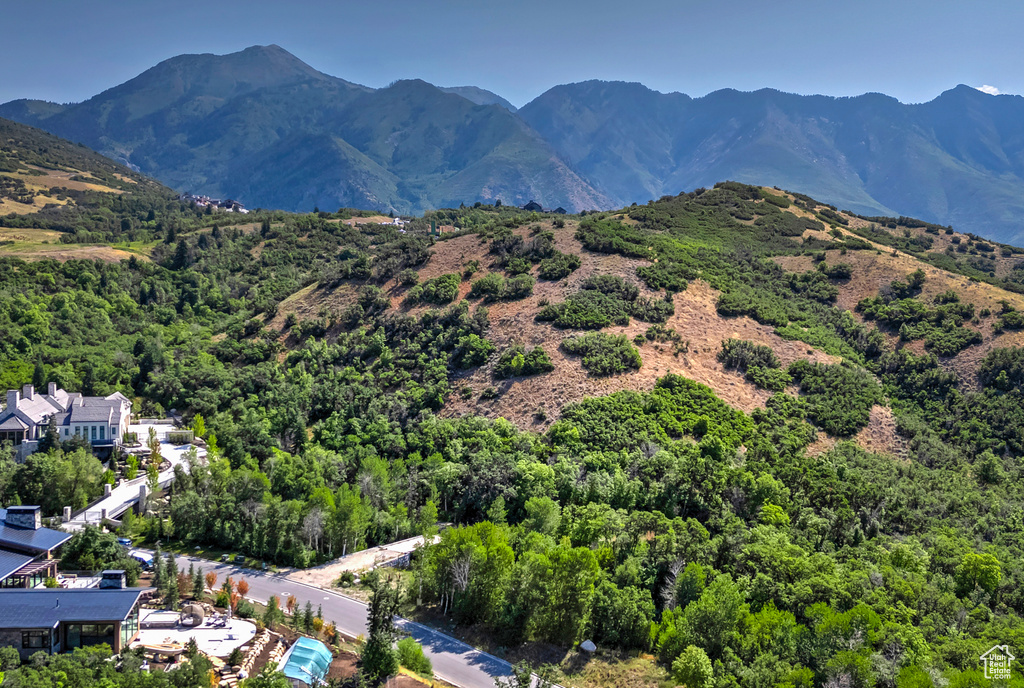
[
  {"x": 240, "y": 560},
  {"x": 225, "y": 557},
  {"x": 144, "y": 558},
  {"x": 124, "y": 542}
]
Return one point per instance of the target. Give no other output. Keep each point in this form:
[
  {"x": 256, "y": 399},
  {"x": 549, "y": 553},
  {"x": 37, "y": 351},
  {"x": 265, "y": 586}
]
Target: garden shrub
[{"x": 410, "y": 655}]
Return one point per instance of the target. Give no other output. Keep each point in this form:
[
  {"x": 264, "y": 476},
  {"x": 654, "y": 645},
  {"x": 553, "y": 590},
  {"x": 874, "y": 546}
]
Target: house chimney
[
  {"x": 13, "y": 397},
  {"x": 51, "y": 389},
  {"x": 28, "y": 391},
  {"x": 27, "y": 517}
]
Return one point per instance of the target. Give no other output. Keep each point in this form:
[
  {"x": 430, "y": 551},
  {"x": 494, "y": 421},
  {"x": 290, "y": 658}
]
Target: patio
[{"x": 212, "y": 639}]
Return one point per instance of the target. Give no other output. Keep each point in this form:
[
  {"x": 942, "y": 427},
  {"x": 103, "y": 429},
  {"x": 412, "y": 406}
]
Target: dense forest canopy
[{"x": 662, "y": 520}]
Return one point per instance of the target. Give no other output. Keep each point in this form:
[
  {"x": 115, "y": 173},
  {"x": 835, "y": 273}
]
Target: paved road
[
  {"x": 125, "y": 495},
  {"x": 453, "y": 660}
]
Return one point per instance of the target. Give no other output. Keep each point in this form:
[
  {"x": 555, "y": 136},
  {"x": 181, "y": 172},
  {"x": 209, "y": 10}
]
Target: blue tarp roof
[{"x": 307, "y": 661}]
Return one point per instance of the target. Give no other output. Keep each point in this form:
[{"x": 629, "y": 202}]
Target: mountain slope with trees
[
  {"x": 323, "y": 361},
  {"x": 224, "y": 125},
  {"x": 228, "y": 125},
  {"x": 956, "y": 160}
]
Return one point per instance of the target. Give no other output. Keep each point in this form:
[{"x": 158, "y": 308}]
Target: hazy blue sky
[{"x": 68, "y": 50}]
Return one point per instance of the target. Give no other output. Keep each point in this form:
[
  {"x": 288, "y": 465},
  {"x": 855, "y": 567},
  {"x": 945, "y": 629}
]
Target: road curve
[{"x": 454, "y": 661}]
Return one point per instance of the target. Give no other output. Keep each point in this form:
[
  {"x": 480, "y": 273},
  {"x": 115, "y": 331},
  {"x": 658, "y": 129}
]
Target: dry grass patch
[{"x": 64, "y": 252}]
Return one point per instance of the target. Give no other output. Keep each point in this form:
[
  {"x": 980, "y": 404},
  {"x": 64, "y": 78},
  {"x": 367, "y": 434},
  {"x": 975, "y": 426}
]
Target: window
[
  {"x": 65, "y": 432},
  {"x": 130, "y": 627},
  {"x": 35, "y": 640},
  {"x": 93, "y": 432},
  {"x": 83, "y": 635},
  {"x": 103, "y": 429}
]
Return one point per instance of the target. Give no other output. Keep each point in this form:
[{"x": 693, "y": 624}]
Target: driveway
[{"x": 125, "y": 495}]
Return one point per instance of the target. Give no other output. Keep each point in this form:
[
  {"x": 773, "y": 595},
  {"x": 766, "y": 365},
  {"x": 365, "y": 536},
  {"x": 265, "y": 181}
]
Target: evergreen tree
[
  {"x": 379, "y": 660},
  {"x": 307, "y": 617},
  {"x": 51, "y": 438},
  {"x": 197, "y": 584},
  {"x": 273, "y": 615},
  {"x": 181, "y": 259},
  {"x": 173, "y": 594},
  {"x": 158, "y": 570},
  {"x": 39, "y": 376},
  {"x": 191, "y": 575}
]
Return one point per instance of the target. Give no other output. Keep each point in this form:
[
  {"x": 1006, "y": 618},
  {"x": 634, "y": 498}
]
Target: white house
[{"x": 101, "y": 421}]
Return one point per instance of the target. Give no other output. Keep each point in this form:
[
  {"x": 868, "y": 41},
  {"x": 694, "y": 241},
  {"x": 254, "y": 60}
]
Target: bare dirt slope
[{"x": 535, "y": 402}]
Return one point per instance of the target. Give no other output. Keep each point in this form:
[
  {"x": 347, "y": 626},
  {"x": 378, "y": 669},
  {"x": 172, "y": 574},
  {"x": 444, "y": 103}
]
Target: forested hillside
[{"x": 738, "y": 531}]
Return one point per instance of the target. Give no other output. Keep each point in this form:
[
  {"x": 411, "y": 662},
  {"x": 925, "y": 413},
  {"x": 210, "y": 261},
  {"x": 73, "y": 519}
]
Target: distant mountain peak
[{"x": 480, "y": 96}]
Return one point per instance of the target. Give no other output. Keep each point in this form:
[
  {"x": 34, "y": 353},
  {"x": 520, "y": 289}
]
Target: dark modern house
[
  {"x": 54, "y": 620},
  {"x": 26, "y": 548}
]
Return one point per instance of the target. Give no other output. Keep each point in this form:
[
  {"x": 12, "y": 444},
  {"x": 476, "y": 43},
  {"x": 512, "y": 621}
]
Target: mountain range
[{"x": 263, "y": 127}]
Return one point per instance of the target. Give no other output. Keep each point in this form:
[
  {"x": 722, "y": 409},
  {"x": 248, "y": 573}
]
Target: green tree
[
  {"x": 159, "y": 575},
  {"x": 410, "y": 655},
  {"x": 692, "y": 668},
  {"x": 273, "y": 615},
  {"x": 172, "y": 591},
  {"x": 198, "y": 584},
  {"x": 379, "y": 660},
  {"x": 543, "y": 515},
  {"x": 307, "y": 617},
  {"x": 269, "y": 677},
  {"x": 978, "y": 571},
  {"x": 621, "y": 617},
  {"x": 569, "y": 590}
]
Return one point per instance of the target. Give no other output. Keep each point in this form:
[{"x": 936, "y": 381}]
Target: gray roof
[
  {"x": 35, "y": 409},
  {"x": 46, "y": 607},
  {"x": 37, "y": 541},
  {"x": 11, "y": 562},
  {"x": 13, "y": 423},
  {"x": 90, "y": 413}
]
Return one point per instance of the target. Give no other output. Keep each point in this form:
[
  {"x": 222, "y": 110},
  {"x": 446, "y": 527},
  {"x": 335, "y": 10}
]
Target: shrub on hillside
[
  {"x": 604, "y": 354},
  {"x": 494, "y": 287},
  {"x": 472, "y": 350},
  {"x": 740, "y": 354},
  {"x": 516, "y": 361},
  {"x": 558, "y": 266},
  {"x": 605, "y": 300},
  {"x": 839, "y": 271},
  {"x": 440, "y": 290},
  {"x": 839, "y": 397},
  {"x": 408, "y": 277}
]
